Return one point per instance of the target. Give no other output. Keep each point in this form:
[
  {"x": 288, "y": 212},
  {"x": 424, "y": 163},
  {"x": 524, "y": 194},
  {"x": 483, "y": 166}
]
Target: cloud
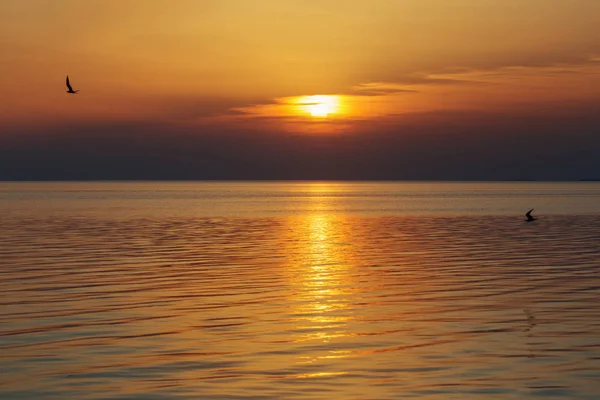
[
  {"x": 482, "y": 72},
  {"x": 378, "y": 89},
  {"x": 448, "y": 145}
]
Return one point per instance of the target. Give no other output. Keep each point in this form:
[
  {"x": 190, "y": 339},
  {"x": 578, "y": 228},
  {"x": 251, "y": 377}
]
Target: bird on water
[
  {"x": 70, "y": 88},
  {"x": 530, "y": 218}
]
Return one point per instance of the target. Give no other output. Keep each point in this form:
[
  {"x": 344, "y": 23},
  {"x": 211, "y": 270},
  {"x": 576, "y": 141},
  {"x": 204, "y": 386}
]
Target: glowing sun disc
[{"x": 320, "y": 106}]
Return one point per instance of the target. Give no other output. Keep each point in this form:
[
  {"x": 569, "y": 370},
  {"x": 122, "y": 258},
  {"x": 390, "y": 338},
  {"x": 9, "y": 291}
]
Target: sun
[{"x": 320, "y": 106}]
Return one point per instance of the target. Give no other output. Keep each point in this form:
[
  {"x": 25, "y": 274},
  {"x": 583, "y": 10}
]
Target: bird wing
[
  {"x": 528, "y": 214},
  {"x": 68, "y": 84}
]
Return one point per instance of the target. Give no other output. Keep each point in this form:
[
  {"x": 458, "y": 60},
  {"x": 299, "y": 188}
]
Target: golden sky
[
  {"x": 292, "y": 63},
  {"x": 300, "y": 89}
]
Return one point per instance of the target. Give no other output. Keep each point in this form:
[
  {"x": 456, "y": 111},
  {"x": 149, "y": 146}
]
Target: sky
[{"x": 300, "y": 89}]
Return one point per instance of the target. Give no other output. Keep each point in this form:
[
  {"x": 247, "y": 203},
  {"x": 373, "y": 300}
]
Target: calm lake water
[{"x": 299, "y": 291}]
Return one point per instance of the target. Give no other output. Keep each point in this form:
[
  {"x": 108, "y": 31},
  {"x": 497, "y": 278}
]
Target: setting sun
[{"x": 320, "y": 106}]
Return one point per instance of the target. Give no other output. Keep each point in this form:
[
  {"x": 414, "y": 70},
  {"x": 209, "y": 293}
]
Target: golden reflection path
[
  {"x": 342, "y": 292},
  {"x": 322, "y": 273}
]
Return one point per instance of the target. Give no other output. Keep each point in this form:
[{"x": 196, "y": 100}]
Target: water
[{"x": 299, "y": 291}]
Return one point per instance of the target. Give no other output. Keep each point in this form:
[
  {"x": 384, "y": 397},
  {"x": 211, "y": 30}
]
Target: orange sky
[{"x": 190, "y": 62}]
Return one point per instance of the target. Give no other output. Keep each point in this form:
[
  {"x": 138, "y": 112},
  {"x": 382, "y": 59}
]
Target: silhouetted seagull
[
  {"x": 530, "y": 218},
  {"x": 70, "y": 88}
]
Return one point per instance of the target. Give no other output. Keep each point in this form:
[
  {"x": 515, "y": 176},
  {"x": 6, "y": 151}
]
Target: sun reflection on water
[{"x": 322, "y": 265}]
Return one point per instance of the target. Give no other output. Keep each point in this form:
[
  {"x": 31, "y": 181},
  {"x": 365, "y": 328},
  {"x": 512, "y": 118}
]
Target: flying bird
[
  {"x": 70, "y": 88},
  {"x": 530, "y": 218}
]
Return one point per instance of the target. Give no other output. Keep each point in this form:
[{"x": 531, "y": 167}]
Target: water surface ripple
[{"x": 308, "y": 305}]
